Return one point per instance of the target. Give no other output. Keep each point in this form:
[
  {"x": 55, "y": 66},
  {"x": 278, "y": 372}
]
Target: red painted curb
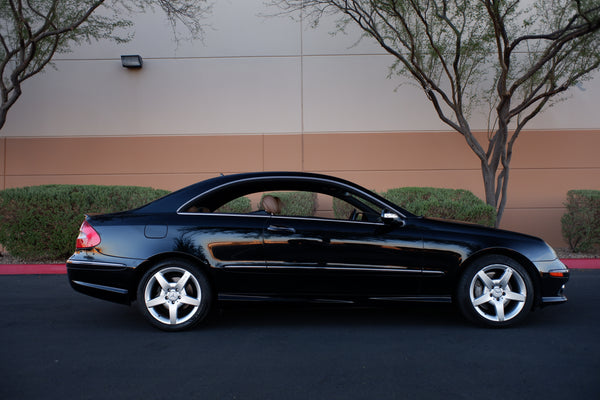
[
  {"x": 582, "y": 263},
  {"x": 49, "y": 269},
  {"x": 32, "y": 269}
]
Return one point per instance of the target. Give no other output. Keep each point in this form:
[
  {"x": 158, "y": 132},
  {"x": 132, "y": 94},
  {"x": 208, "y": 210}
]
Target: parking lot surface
[{"x": 57, "y": 343}]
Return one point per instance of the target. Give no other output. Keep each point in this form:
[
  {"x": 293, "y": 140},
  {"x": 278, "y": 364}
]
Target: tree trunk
[{"x": 489, "y": 184}]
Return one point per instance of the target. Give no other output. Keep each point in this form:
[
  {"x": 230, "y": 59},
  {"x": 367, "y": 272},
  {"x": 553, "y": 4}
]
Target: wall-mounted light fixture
[{"x": 132, "y": 61}]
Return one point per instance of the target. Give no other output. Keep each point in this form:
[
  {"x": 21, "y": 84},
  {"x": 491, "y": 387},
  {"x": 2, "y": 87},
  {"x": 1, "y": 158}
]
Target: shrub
[
  {"x": 301, "y": 204},
  {"x": 240, "y": 205},
  {"x": 342, "y": 209},
  {"x": 455, "y": 204},
  {"x": 581, "y": 222},
  {"x": 41, "y": 222}
]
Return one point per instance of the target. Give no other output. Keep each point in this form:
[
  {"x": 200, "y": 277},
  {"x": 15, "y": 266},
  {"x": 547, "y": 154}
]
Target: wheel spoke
[
  {"x": 182, "y": 281},
  {"x": 487, "y": 281},
  {"x": 499, "y": 310},
  {"x": 484, "y": 298},
  {"x": 162, "y": 281},
  {"x": 192, "y": 301},
  {"x": 515, "y": 296},
  {"x": 505, "y": 278},
  {"x": 173, "y": 313}
]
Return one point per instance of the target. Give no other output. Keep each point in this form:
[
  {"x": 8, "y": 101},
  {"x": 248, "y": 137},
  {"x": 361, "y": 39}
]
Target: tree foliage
[
  {"x": 515, "y": 57},
  {"x": 581, "y": 222},
  {"x": 33, "y": 31}
]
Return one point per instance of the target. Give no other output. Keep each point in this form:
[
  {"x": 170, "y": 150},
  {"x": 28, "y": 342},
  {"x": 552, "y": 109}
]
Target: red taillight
[{"x": 88, "y": 237}]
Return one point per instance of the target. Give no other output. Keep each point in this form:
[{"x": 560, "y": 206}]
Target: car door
[
  {"x": 322, "y": 256},
  {"x": 231, "y": 244}
]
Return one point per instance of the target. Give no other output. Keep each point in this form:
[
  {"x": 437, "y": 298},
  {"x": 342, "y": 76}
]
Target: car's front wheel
[
  {"x": 495, "y": 291},
  {"x": 174, "y": 295}
]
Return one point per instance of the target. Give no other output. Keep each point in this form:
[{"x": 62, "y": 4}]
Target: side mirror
[{"x": 391, "y": 217}]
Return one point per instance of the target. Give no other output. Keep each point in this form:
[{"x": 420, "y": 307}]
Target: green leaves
[
  {"x": 240, "y": 205},
  {"x": 581, "y": 222},
  {"x": 296, "y": 203},
  {"x": 41, "y": 222}
]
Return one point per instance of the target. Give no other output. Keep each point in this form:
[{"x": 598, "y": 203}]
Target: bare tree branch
[{"x": 466, "y": 52}]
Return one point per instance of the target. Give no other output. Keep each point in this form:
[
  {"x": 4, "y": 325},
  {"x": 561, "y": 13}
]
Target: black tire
[
  {"x": 168, "y": 305},
  {"x": 495, "y": 291}
]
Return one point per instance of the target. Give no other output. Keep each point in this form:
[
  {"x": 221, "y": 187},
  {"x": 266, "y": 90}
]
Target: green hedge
[
  {"x": 240, "y": 205},
  {"x": 42, "y": 222},
  {"x": 342, "y": 209},
  {"x": 300, "y": 204},
  {"x": 581, "y": 222},
  {"x": 454, "y": 204}
]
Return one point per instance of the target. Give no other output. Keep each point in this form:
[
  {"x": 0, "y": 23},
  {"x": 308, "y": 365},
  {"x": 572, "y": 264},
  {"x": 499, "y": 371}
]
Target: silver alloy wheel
[
  {"x": 172, "y": 295},
  {"x": 498, "y": 292}
]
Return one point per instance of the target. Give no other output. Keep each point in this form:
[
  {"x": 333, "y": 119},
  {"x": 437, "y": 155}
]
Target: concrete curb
[{"x": 58, "y": 269}]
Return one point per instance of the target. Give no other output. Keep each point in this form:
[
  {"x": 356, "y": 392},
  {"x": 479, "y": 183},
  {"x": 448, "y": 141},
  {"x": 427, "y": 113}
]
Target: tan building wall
[{"x": 545, "y": 166}]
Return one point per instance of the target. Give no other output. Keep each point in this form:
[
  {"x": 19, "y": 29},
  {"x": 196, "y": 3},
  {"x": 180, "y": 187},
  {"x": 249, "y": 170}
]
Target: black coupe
[{"x": 253, "y": 235}]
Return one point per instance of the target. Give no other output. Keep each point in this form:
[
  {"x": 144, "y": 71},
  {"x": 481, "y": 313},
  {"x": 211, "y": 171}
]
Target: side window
[
  {"x": 294, "y": 203},
  {"x": 290, "y": 203},
  {"x": 342, "y": 209},
  {"x": 241, "y": 205},
  {"x": 319, "y": 205},
  {"x": 356, "y": 208}
]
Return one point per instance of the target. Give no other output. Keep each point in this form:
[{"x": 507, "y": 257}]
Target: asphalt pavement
[{"x": 57, "y": 344}]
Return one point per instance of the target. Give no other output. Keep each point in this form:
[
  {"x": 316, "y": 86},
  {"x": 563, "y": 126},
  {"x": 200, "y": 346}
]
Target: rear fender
[{"x": 149, "y": 263}]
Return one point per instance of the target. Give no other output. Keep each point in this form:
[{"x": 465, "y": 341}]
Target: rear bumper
[{"x": 107, "y": 278}]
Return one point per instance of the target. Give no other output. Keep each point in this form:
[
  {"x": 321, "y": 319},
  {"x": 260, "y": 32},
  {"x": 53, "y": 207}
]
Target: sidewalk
[{"x": 52, "y": 269}]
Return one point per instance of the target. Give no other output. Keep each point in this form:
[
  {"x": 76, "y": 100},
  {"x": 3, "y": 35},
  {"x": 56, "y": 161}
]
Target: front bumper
[{"x": 553, "y": 277}]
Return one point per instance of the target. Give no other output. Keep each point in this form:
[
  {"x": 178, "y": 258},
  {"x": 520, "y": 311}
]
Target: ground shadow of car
[{"x": 344, "y": 316}]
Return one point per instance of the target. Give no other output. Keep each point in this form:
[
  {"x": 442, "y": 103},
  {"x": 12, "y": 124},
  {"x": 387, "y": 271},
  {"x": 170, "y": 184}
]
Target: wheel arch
[
  {"x": 141, "y": 269},
  {"x": 516, "y": 256}
]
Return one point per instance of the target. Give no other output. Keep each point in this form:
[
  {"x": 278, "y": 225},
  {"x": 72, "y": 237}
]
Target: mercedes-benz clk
[{"x": 235, "y": 237}]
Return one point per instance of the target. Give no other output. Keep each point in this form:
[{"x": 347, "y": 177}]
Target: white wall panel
[
  {"x": 578, "y": 111},
  {"x": 173, "y": 96},
  {"x": 353, "y": 93},
  {"x": 233, "y": 28},
  {"x": 326, "y": 39}
]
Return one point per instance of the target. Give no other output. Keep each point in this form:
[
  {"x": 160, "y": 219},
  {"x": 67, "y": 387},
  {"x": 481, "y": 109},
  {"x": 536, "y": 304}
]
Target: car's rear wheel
[
  {"x": 174, "y": 295},
  {"x": 495, "y": 291}
]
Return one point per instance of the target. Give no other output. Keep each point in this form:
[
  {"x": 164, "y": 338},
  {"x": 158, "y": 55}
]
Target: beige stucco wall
[{"x": 270, "y": 93}]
